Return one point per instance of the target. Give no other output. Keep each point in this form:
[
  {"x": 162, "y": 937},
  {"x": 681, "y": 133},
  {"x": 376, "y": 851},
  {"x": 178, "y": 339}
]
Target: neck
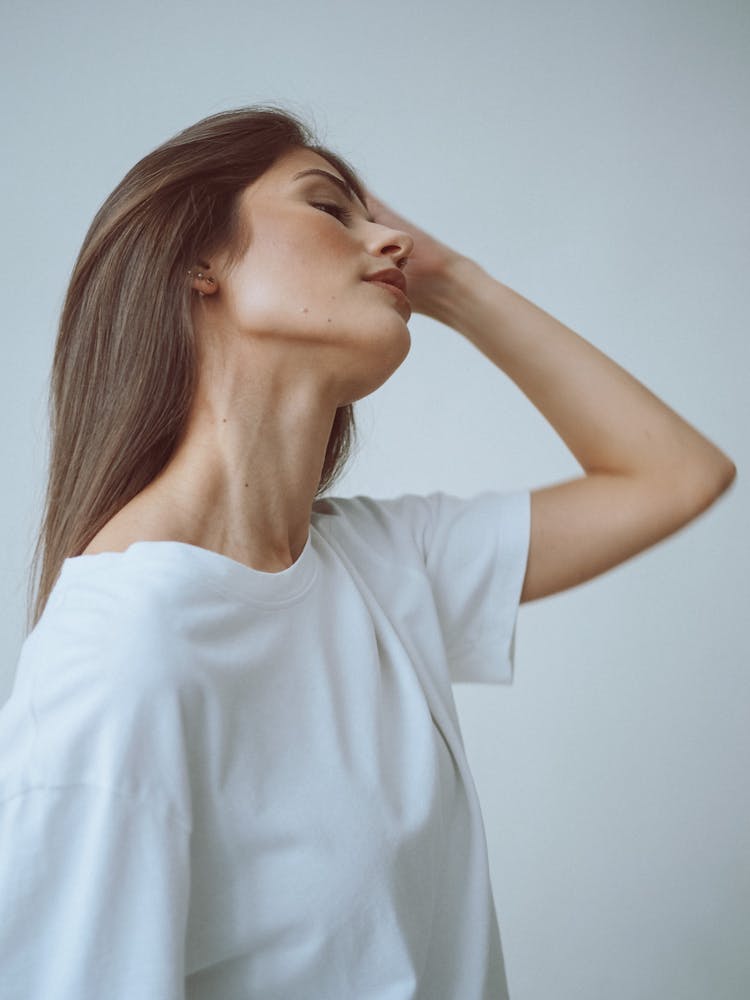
[{"x": 243, "y": 479}]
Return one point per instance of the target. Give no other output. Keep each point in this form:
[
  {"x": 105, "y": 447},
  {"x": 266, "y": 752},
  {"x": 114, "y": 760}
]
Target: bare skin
[
  {"x": 292, "y": 333},
  {"x": 296, "y": 332},
  {"x": 647, "y": 471}
]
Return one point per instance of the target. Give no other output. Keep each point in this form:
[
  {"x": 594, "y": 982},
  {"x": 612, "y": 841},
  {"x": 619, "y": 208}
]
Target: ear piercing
[{"x": 200, "y": 274}]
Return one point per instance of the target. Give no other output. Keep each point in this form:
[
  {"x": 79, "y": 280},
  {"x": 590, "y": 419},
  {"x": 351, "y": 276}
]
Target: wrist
[{"x": 452, "y": 290}]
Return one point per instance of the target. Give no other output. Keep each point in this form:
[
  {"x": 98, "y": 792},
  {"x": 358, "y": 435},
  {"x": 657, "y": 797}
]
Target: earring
[{"x": 208, "y": 278}]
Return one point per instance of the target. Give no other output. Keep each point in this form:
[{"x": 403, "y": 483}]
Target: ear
[{"x": 202, "y": 282}]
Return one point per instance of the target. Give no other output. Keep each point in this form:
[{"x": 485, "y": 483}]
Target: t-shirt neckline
[{"x": 207, "y": 568}]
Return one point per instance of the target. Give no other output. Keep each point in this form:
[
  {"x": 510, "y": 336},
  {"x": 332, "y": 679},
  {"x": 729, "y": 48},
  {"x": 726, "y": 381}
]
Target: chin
[
  {"x": 393, "y": 355},
  {"x": 393, "y": 345},
  {"x": 406, "y": 342},
  {"x": 383, "y": 360}
]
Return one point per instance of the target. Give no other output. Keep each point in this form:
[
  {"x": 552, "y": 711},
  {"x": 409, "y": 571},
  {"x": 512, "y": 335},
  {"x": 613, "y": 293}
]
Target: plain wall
[{"x": 594, "y": 157}]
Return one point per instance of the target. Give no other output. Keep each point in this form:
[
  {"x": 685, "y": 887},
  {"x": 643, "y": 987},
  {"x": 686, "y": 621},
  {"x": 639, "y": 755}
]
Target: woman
[{"x": 231, "y": 762}]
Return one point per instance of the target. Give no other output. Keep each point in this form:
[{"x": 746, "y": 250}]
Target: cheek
[
  {"x": 256, "y": 289},
  {"x": 294, "y": 273},
  {"x": 287, "y": 292}
]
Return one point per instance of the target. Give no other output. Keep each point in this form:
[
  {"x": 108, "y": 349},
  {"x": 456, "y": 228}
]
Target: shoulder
[
  {"x": 107, "y": 621},
  {"x": 100, "y": 681},
  {"x": 426, "y": 523},
  {"x": 381, "y": 523},
  {"x": 107, "y": 625}
]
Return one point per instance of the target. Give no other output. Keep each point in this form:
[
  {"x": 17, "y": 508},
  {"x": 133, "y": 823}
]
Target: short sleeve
[
  {"x": 93, "y": 897},
  {"x": 476, "y": 553}
]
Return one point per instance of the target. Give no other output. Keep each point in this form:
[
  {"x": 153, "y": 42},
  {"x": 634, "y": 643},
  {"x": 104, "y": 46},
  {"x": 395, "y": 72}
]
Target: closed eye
[{"x": 336, "y": 210}]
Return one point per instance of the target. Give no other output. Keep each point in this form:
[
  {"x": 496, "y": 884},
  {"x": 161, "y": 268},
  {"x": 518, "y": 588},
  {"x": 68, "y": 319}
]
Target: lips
[{"x": 390, "y": 276}]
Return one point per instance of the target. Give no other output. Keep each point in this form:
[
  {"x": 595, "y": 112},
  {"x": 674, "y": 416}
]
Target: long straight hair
[{"x": 124, "y": 370}]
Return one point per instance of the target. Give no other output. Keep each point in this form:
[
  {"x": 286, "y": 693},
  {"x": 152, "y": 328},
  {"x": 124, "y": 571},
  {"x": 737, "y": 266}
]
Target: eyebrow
[{"x": 342, "y": 185}]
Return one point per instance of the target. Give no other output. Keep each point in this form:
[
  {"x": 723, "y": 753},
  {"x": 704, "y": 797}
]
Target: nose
[{"x": 394, "y": 243}]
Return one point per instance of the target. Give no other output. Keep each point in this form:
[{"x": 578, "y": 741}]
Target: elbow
[
  {"x": 692, "y": 485},
  {"x": 729, "y": 476},
  {"x": 723, "y": 476},
  {"x": 711, "y": 482}
]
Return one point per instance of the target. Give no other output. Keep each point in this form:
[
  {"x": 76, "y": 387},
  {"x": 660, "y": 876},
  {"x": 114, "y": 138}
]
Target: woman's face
[{"x": 300, "y": 288}]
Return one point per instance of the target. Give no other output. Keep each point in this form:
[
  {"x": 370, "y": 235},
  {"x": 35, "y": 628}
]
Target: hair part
[{"x": 125, "y": 363}]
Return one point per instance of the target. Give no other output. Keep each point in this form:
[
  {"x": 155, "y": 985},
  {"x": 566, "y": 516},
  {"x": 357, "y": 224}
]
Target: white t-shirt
[{"x": 219, "y": 783}]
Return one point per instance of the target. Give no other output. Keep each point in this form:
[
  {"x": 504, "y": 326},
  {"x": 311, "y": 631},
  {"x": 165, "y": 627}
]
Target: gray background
[{"x": 593, "y": 156}]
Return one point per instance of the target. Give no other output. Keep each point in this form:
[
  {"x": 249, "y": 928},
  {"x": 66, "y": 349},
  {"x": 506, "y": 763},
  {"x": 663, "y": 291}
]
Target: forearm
[{"x": 607, "y": 418}]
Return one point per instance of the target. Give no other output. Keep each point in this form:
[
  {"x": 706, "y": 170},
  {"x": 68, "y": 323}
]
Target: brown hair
[{"x": 124, "y": 369}]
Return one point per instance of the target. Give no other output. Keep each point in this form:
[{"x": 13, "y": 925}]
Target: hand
[{"x": 429, "y": 262}]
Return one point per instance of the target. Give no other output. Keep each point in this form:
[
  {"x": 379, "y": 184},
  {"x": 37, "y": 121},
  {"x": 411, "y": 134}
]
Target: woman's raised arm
[{"x": 648, "y": 472}]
